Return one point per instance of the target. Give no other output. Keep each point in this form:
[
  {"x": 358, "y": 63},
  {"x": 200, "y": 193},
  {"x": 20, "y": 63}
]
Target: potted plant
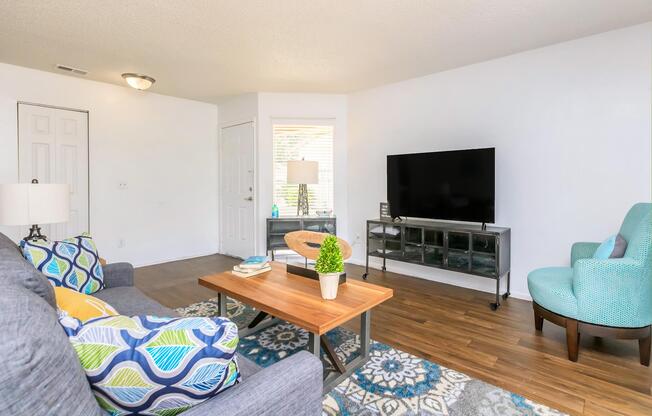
[{"x": 329, "y": 265}]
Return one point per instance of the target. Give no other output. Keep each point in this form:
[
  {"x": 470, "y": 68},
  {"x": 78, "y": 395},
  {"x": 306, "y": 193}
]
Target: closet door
[{"x": 53, "y": 148}]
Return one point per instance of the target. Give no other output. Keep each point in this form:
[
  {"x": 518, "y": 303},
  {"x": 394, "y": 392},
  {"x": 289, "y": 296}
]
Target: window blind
[{"x": 296, "y": 142}]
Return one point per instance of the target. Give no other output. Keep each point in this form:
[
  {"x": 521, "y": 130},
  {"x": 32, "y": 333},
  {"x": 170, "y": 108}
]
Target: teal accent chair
[{"x": 604, "y": 298}]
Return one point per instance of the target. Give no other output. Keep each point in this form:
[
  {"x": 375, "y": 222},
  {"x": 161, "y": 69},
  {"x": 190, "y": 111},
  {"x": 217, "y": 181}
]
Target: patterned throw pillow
[
  {"x": 155, "y": 366},
  {"x": 72, "y": 263},
  {"x": 81, "y": 306}
]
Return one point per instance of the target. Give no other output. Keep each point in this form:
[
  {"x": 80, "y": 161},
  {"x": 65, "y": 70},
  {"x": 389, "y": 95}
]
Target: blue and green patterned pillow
[
  {"x": 155, "y": 366},
  {"x": 72, "y": 263}
]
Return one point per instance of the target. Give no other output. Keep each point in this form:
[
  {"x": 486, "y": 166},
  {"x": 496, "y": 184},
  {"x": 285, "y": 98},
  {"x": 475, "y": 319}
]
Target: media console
[
  {"x": 278, "y": 227},
  {"x": 465, "y": 248}
]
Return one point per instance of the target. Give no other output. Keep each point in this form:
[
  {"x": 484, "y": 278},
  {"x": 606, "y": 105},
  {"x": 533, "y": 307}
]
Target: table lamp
[
  {"x": 32, "y": 204},
  {"x": 303, "y": 173}
]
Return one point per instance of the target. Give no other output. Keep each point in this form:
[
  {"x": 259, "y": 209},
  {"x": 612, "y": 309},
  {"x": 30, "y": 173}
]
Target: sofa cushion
[
  {"x": 6, "y": 242},
  {"x": 552, "y": 288},
  {"x": 72, "y": 263},
  {"x": 15, "y": 270},
  {"x": 128, "y": 300},
  {"x": 81, "y": 306},
  {"x": 118, "y": 274},
  {"x": 247, "y": 367},
  {"x": 40, "y": 373},
  {"x": 151, "y": 365},
  {"x": 292, "y": 387}
]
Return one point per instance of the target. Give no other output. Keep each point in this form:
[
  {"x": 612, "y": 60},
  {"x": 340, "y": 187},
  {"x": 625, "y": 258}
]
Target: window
[{"x": 296, "y": 142}]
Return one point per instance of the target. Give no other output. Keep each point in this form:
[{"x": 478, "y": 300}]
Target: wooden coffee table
[{"x": 297, "y": 299}]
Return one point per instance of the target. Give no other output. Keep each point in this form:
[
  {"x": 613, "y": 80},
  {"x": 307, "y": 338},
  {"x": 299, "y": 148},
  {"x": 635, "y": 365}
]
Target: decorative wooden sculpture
[{"x": 306, "y": 243}]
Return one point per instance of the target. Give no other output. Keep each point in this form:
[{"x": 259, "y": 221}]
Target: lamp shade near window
[
  {"x": 34, "y": 203},
  {"x": 303, "y": 172}
]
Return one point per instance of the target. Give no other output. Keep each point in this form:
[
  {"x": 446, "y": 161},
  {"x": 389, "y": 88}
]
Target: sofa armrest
[
  {"x": 613, "y": 292},
  {"x": 582, "y": 251},
  {"x": 118, "y": 274},
  {"x": 292, "y": 386}
]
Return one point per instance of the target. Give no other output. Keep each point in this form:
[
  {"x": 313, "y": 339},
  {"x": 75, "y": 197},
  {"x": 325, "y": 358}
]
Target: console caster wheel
[
  {"x": 384, "y": 268},
  {"x": 365, "y": 276},
  {"x": 505, "y": 296},
  {"x": 494, "y": 306}
]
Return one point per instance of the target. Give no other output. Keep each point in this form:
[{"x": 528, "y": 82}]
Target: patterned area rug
[{"x": 392, "y": 382}]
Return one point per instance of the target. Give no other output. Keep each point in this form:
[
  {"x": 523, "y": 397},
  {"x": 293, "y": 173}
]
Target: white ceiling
[{"x": 209, "y": 49}]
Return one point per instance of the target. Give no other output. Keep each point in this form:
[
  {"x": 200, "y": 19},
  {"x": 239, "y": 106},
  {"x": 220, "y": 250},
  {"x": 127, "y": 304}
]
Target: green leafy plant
[{"x": 330, "y": 257}]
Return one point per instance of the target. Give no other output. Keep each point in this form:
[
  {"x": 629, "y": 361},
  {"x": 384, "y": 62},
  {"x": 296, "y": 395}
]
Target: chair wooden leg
[
  {"x": 538, "y": 321},
  {"x": 644, "y": 345},
  {"x": 574, "y": 328},
  {"x": 572, "y": 339}
]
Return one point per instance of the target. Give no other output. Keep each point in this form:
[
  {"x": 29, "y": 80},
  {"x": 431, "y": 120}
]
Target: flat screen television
[{"x": 455, "y": 185}]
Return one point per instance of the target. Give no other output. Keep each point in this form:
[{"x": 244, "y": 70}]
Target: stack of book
[{"x": 252, "y": 266}]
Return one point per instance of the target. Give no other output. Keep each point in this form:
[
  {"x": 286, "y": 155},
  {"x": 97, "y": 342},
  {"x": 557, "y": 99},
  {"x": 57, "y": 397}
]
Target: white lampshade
[
  {"x": 303, "y": 171},
  {"x": 34, "y": 203}
]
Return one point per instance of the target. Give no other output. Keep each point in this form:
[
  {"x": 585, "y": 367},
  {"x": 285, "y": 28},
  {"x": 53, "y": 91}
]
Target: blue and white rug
[{"x": 392, "y": 382}]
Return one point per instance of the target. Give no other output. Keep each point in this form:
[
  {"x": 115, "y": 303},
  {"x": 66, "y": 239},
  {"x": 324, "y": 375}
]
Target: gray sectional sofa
[{"x": 41, "y": 375}]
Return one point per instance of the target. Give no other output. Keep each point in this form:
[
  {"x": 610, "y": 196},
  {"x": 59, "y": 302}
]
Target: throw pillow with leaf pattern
[
  {"x": 72, "y": 263},
  {"x": 150, "y": 365}
]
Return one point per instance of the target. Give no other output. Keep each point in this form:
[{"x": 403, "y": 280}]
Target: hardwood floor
[{"x": 454, "y": 327}]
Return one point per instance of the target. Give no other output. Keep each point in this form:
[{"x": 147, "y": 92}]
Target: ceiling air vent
[{"x": 71, "y": 69}]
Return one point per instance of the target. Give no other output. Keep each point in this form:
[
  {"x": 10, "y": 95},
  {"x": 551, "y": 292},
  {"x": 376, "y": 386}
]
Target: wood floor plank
[{"x": 455, "y": 328}]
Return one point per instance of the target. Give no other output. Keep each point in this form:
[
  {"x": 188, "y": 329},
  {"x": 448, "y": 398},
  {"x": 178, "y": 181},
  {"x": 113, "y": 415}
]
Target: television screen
[{"x": 455, "y": 185}]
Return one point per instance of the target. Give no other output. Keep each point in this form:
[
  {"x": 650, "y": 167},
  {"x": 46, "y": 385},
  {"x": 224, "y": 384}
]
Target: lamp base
[
  {"x": 302, "y": 203},
  {"x": 35, "y": 234}
]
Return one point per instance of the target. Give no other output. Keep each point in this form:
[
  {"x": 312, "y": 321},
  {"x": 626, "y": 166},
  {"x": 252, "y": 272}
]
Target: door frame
[
  {"x": 220, "y": 214},
  {"x": 88, "y": 145}
]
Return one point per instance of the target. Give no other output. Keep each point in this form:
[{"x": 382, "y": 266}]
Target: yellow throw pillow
[{"x": 82, "y": 306}]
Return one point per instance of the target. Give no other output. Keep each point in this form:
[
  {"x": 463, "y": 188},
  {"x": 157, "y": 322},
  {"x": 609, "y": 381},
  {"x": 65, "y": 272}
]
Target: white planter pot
[{"x": 328, "y": 285}]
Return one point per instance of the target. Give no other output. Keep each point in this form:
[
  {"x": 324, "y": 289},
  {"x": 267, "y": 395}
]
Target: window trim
[{"x": 308, "y": 121}]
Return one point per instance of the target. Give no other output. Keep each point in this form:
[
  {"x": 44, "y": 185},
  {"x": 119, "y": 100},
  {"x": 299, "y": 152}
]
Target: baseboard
[
  {"x": 169, "y": 260},
  {"x": 373, "y": 264},
  {"x": 402, "y": 268}
]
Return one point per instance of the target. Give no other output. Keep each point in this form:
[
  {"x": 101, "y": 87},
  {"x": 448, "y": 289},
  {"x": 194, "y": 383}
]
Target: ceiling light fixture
[{"x": 138, "y": 81}]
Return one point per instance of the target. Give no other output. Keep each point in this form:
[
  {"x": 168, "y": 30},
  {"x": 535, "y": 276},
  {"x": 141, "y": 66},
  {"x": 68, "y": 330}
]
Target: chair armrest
[
  {"x": 582, "y": 251},
  {"x": 613, "y": 292},
  {"x": 118, "y": 274},
  {"x": 292, "y": 386}
]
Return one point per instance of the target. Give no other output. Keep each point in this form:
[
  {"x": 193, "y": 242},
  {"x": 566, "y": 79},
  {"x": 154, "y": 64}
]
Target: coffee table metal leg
[
  {"x": 365, "y": 333},
  {"x": 333, "y": 379},
  {"x": 259, "y": 326},
  {"x": 332, "y": 355},
  {"x": 221, "y": 297},
  {"x": 313, "y": 344},
  {"x": 257, "y": 320}
]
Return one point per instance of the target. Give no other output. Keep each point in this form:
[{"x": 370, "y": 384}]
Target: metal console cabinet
[
  {"x": 278, "y": 227},
  {"x": 464, "y": 248}
]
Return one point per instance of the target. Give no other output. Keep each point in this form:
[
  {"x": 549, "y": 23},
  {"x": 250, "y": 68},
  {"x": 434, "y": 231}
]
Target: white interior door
[
  {"x": 53, "y": 148},
  {"x": 237, "y": 233}
]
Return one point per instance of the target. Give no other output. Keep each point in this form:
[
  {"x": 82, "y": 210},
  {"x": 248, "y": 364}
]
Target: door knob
[{"x": 249, "y": 198}]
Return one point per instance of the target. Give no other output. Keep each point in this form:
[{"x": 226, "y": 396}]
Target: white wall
[
  {"x": 571, "y": 127},
  {"x": 163, "y": 147},
  {"x": 264, "y": 108},
  {"x": 238, "y": 109},
  {"x": 273, "y": 106}
]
